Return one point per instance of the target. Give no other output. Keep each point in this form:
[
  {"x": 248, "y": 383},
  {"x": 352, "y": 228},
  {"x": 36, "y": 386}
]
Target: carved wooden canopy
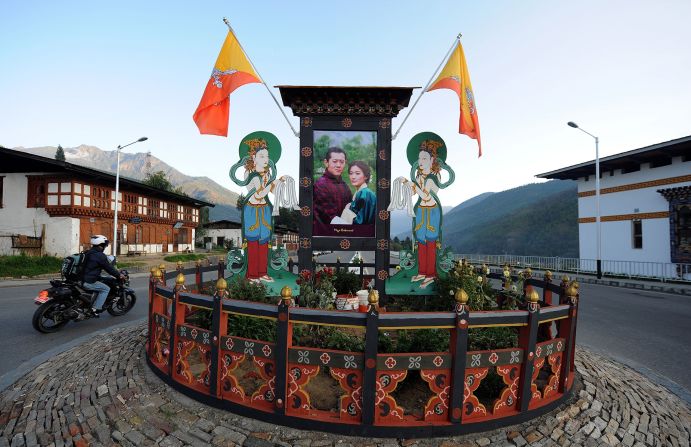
[{"x": 352, "y": 101}]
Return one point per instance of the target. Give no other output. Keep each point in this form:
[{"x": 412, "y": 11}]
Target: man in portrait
[{"x": 331, "y": 193}]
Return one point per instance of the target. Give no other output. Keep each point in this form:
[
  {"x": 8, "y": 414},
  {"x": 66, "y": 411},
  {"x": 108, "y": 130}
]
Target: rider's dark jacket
[{"x": 94, "y": 261}]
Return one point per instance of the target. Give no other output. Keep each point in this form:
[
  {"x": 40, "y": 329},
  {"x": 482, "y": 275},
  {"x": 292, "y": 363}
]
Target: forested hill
[{"x": 539, "y": 219}]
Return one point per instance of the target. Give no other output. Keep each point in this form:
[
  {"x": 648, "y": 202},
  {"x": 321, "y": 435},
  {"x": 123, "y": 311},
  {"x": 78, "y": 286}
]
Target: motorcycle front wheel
[
  {"x": 122, "y": 305},
  {"x": 49, "y": 317}
]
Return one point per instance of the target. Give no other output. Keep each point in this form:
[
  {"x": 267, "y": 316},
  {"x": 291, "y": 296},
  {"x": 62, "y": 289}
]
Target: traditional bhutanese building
[
  {"x": 52, "y": 207},
  {"x": 645, "y": 207}
]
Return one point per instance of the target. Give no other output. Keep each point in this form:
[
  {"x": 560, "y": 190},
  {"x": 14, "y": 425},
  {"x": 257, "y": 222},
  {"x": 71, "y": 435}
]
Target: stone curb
[{"x": 102, "y": 393}]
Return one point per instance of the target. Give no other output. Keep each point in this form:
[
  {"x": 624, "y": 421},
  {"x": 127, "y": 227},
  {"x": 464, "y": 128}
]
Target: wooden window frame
[{"x": 637, "y": 236}]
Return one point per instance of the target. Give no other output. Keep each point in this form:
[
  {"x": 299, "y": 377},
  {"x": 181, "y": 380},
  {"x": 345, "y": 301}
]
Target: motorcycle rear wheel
[
  {"x": 48, "y": 312},
  {"x": 122, "y": 306}
]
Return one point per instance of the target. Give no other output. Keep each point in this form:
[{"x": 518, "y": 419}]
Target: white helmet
[{"x": 99, "y": 239}]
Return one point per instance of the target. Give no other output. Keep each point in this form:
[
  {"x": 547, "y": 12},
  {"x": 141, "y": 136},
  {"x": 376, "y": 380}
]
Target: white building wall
[
  {"x": 61, "y": 233},
  {"x": 234, "y": 234},
  {"x": 617, "y": 236}
]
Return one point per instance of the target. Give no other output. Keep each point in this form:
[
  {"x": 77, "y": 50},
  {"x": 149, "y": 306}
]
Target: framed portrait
[{"x": 344, "y": 195}]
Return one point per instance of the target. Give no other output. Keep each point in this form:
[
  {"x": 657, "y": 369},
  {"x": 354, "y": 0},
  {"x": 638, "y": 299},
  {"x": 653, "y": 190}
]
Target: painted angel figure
[
  {"x": 427, "y": 155},
  {"x": 259, "y": 152}
]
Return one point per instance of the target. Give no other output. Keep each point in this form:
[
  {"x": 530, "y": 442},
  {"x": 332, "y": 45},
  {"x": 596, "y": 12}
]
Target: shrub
[
  {"x": 184, "y": 257},
  {"x": 345, "y": 281},
  {"x": 23, "y": 265}
]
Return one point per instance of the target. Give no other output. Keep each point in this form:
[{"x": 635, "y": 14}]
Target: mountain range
[
  {"x": 538, "y": 219},
  {"x": 134, "y": 166}
]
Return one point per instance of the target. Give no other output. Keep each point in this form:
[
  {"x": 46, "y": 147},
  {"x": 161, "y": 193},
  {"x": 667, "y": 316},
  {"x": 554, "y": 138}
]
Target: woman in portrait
[{"x": 363, "y": 207}]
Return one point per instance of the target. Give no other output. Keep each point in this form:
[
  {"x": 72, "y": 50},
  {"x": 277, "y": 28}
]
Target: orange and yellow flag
[
  {"x": 454, "y": 76},
  {"x": 232, "y": 70}
]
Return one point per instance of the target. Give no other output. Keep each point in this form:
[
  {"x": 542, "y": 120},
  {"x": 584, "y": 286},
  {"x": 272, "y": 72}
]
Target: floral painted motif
[
  {"x": 306, "y": 151},
  {"x": 414, "y": 362},
  {"x": 303, "y": 357},
  {"x": 345, "y": 244},
  {"x": 390, "y": 362},
  {"x": 349, "y": 361}
]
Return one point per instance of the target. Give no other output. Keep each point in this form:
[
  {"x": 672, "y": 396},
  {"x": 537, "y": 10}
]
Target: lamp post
[
  {"x": 117, "y": 194},
  {"x": 597, "y": 198}
]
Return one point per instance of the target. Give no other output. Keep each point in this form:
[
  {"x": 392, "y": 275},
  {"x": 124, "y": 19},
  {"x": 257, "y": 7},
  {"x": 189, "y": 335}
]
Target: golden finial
[
  {"x": 198, "y": 262},
  {"x": 528, "y": 272},
  {"x": 153, "y": 270},
  {"x": 286, "y": 295},
  {"x": 572, "y": 289},
  {"x": 533, "y": 296},
  {"x": 180, "y": 279},
  {"x": 373, "y": 297},
  {"x": 565, "y": 278},
  {"x": 485, "y": 269},
  {"x": 548, "y": 275},
  {"x": 179, "y": 265},
  {"x": 461, "y": 296},
  {"x": 162, "y": 267},
  {"x": 221, "y": 284},
  {"x": 157, "y": 273}
]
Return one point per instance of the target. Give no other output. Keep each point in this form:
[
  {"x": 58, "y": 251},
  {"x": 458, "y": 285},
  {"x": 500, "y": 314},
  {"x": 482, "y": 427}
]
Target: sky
[{"x": 107, "y": 73}]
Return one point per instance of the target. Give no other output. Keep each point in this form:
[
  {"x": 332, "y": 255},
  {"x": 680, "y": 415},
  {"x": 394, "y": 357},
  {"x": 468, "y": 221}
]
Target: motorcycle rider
[{"x": 94, "y": 261}]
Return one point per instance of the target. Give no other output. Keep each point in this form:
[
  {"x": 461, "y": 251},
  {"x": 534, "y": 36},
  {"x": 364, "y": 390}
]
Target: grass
[
  {"x": 184, "y": 257},
  {"x": 127, "y": 265},
  {"x": 22, "y": 265}
]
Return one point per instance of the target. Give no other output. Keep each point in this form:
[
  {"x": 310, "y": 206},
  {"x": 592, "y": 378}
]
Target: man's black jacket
[{"x": 94, "y": 261}]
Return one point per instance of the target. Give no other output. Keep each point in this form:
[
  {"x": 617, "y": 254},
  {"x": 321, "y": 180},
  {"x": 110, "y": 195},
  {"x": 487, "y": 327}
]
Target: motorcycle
[{"x": 67, "y": 300}]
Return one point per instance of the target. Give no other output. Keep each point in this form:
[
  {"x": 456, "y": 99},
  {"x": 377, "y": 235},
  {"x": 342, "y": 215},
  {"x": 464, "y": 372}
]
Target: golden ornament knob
[
  {"x": 179, "y": 264},
  {"x": 286, "y": 293},
  {"x": 162, "y": 267},
  {"x": 461, "y": 296},
  {"x": 180, "y": 279},
  {"x": 157, "y": 273},
  {"x": 373, "y": 297},
  {"x": 572, "y": 289},
  {"x": 221, "y": 284},
  {"x": 548, "y": 275},
  {"x": 532, "y": 296},
  {"x": 153, "y": 270}
]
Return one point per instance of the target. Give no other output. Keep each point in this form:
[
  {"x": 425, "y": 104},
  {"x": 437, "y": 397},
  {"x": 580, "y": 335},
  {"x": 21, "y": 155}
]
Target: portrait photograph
[{"x": 345, "y": 183}]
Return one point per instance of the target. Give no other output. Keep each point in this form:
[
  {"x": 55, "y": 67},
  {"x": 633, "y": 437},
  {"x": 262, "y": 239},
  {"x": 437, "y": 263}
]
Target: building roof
[
  {"x": 13, "y": 161},
  {"x": 658, "y": 155}
]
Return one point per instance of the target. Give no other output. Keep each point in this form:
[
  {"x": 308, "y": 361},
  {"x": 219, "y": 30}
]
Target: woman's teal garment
[{"x": 364, "y": 205}]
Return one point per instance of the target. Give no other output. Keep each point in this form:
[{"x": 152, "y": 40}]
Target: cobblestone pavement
[{"x": 103, "y": 393}]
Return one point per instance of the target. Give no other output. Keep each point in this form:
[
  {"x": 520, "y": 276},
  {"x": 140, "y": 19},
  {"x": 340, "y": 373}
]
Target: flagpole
[
  {"x": 225, "y": 20},
  {"x": 424, "y": 90}
]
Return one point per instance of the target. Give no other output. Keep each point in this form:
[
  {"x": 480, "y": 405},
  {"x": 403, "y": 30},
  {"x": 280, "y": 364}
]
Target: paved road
[
  {"x": 646, "y": 330},
  {"x": 649, "y": 331}
]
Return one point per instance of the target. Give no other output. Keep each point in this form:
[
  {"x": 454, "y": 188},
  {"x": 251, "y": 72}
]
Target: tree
[
  {"x": 159, "y": 180},
  {"x": 60, "y": 154},
  {"x": 203, "y": 220}
]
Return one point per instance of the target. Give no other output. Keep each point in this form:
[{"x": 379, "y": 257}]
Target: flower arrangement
[{"x": 317, "y": 291}]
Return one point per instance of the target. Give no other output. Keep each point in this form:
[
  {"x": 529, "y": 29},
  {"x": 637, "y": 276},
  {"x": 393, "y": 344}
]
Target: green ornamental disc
[
  {"x": 272, "y": 144},
  {"x": 414, "y": 146}
]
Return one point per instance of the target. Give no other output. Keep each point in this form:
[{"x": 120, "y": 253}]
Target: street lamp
[
  {"x": 597, "y": 197},
  {"x": 117, "y": 193}
]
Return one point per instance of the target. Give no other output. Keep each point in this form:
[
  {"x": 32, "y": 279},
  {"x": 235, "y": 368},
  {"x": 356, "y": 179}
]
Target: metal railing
[{"x": 656, "y": 271}]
